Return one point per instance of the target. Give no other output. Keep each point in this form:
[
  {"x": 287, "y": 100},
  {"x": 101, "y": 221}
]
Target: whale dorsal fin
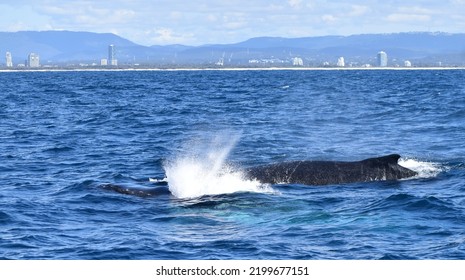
[{"x": 389, "y": 159}]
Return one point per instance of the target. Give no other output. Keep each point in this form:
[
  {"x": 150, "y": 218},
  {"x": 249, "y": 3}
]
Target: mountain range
[{"x": 67, "y": 47}]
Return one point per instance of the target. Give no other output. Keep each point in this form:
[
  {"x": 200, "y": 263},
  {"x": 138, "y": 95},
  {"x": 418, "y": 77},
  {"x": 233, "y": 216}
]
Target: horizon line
[{"x": 423, "y": 68}]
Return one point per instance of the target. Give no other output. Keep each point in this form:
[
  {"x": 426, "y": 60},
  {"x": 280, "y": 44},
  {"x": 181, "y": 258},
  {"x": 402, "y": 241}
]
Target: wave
[
  {"x": 434, "y": 206},
  {"x": 203, "y": 170},
  {"x": 425, "y": 169},
  {"x": 4, "y": 218}
]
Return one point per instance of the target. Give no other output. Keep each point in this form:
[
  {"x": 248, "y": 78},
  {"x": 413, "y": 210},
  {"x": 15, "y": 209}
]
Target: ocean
[{"x": 66, "y": 134}]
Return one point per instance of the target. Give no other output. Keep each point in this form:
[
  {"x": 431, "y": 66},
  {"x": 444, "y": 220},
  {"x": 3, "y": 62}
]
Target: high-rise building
[
  {"x": 297, "y": 61},
  {"x": 111, "y": 52},
  {"x": 340, "y": 62},
  {"x": 33, "y": 60},
  {"x": 111, "y": 56},
  {"x": 382, "y": 60},
  {"x": 9, "y": 60}
]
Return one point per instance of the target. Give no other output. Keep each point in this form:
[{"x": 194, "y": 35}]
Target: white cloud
[
  {"x": 68, "y": 13},
  {"x": 415, "y": 10},
  {"x": 175, "y": 15},
  {"x": 55, "y": 10},
  {"x": 414, "y": 14},
  {"x": 274, "y": 8},
  {"x": 294, "y": 3},
  {"x": 212, "y": 18},
  {"x": 359, "y": 10},
  {"x": 234, "y": 21},
  {"x": 163, "y": 36},
  {"x": 329, "y": 18},
  {"x": 18, "y": 17},
  {"x": 203, "y": 21},
  {"x": 408, "y": 18}
]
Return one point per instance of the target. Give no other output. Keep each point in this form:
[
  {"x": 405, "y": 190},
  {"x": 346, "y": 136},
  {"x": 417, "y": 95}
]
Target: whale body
[
  {"x": 311, "y": 173},
  {"x": 136, "y": 190},
  {"x": 330, "y": 172}
]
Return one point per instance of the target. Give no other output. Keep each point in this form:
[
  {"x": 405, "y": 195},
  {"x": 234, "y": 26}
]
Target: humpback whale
[
  {"x": 330, "y": 172},
  {"x": 311, "y": 173},
  {"x": 137, "y": 190}
]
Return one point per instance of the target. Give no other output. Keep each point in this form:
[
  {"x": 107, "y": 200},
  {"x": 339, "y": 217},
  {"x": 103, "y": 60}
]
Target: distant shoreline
[{"x": 231, "y": 69}]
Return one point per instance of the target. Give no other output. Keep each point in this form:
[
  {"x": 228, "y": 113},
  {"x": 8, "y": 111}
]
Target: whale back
[
  {"x": 384, "y": 160},
  {"x": 136, "y": 190},
  {"x": 389, "y": 167},
  {"x": 331, "y": 172}
]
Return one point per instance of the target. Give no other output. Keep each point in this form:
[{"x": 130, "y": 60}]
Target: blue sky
[{"x": 196, "y": 22}]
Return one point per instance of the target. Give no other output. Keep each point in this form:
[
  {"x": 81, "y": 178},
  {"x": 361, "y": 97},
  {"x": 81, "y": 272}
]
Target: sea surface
[{"x": 65, "y": 135}]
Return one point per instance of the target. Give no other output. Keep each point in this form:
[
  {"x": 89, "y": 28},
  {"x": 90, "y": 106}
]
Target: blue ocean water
[{"x": 65, "y": 134}]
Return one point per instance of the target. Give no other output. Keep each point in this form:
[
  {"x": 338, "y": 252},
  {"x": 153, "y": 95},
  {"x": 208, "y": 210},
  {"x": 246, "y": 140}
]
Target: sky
[{"x": 198, "y": 22}]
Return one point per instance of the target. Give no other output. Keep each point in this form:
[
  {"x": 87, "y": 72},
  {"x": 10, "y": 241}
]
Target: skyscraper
[
  {"x": 111, "y": 56},
  {"x": 382, "y": 59},
  {"x": 297, "y": 61},
  {"x": 33, "y": 60},
  {"x": 9, "y": 60}
]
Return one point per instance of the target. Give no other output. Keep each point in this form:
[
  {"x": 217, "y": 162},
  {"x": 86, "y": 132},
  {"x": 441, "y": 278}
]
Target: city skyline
[
  {"x": 204, "y": 22},
  {"x": 92, "y": 49},
  {"x": 33, "y": 61}
]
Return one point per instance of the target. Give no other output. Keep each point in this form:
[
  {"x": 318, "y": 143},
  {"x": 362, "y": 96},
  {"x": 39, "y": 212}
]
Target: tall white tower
[
  {"x": 111, "y": 56},
  {"x": 9, "y": 60},
  {"x": 340, "y": 62},
  {"x": 382, "y": 59},
  {"x": 33, "y": 60}
]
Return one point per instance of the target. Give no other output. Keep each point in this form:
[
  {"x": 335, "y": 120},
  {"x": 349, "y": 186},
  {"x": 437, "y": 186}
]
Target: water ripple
[{"x": 66, "y": 135}]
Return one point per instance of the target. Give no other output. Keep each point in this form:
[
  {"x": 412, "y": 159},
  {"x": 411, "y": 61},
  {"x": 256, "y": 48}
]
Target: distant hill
[
  {"x": 420, "y": 47},
  {"x": 61, "y": 47}
]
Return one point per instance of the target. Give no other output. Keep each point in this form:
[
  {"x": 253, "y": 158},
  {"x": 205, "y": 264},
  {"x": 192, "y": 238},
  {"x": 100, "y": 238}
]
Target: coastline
[{"x": 4, "y": 70}]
